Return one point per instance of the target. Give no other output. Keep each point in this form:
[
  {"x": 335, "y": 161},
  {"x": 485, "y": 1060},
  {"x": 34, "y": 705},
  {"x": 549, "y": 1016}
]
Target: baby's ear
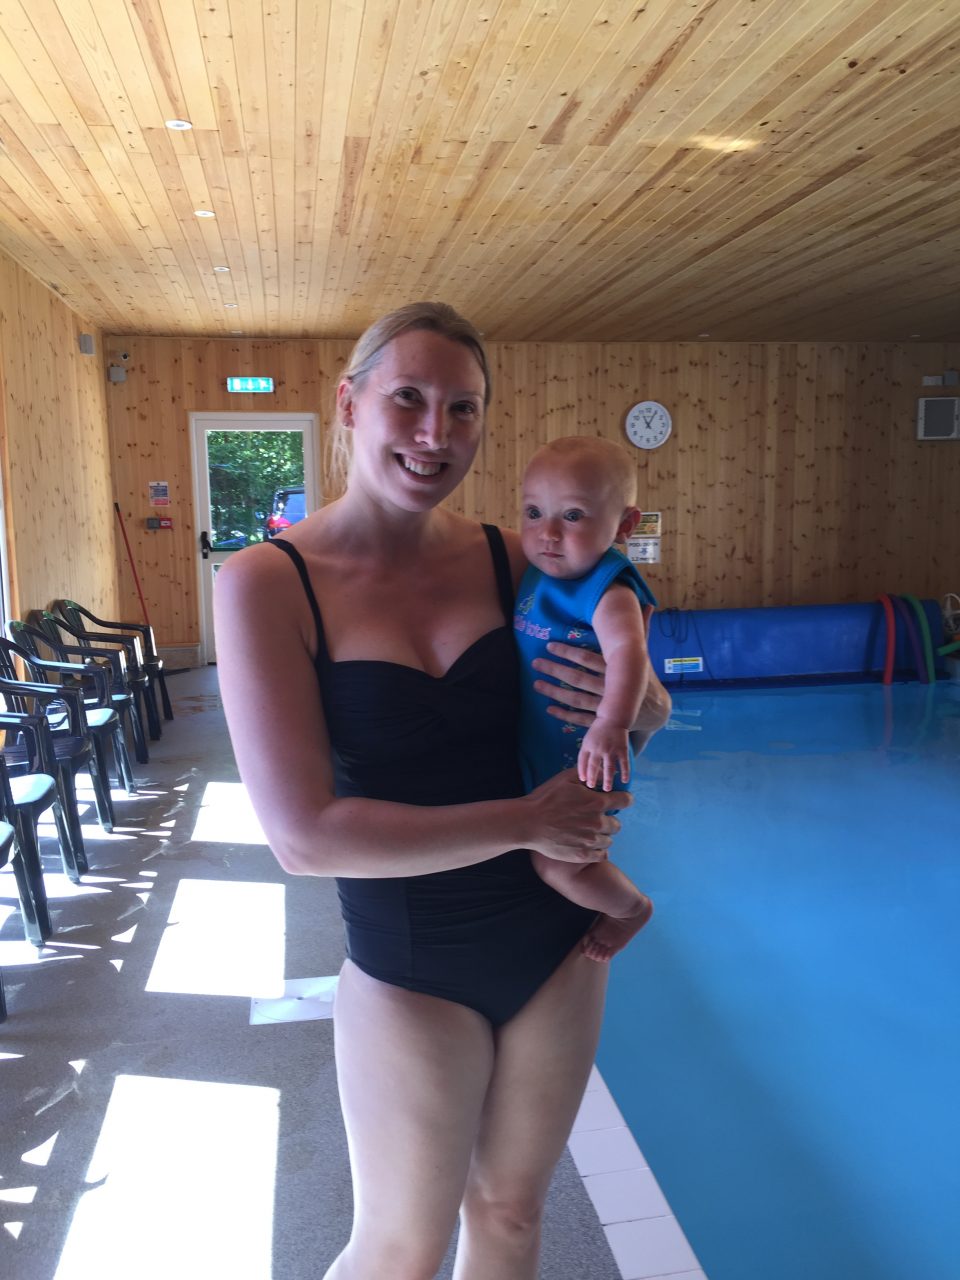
[{"x": 628, "y": 522}]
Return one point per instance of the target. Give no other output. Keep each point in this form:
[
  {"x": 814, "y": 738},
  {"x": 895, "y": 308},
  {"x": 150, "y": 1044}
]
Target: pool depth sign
[{"x": 643, "y": 545}]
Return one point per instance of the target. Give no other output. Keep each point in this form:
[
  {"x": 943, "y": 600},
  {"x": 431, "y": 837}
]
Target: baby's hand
[{"x": 604, "y": 753}]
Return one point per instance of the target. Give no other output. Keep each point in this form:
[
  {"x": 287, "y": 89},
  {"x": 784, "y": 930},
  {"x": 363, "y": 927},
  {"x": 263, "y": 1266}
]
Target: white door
[{"x": 247, "y": 467}]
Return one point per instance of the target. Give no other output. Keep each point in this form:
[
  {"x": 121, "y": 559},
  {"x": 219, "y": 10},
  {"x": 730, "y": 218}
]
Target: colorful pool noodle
[
  {"x": 944, "y": 649},
  {"x": 891, "y": 638},
  {"x": 925, "y": 633},
  {"x": 906, "y": 614}
]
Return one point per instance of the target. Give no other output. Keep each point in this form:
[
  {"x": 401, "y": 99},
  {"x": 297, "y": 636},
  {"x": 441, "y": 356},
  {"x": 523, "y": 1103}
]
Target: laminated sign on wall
[
  {"x": 643, "y": 545},
  {"x": 159, "y": 491},
  {"x": 643, "y": 550}
]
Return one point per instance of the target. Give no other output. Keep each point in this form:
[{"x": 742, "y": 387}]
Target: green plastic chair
[{"x": 22, "y": 800}]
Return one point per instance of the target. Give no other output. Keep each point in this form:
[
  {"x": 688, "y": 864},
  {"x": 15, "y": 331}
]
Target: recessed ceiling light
[
  {"x": 914, "y": 335},
  {"x": 221, "y": 268},
  {"x": 231, "y": 304},
  {"x": 204, "y": 213},
  {"x": 712, "y": 143},
  {"x": 178, "y": 125},
  {"x": 236, "y": 332},
  {"x": 703, "y": 335}
]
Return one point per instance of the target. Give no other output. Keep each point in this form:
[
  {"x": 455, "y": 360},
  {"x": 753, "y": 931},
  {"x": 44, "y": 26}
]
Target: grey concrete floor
[{"x": 146, "y": 1128}]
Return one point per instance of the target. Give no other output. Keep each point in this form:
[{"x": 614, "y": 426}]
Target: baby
[{"x": 578, "y": 499}]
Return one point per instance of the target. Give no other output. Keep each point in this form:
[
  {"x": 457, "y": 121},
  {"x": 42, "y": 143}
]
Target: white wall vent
[{"x": 938, "y": 418}]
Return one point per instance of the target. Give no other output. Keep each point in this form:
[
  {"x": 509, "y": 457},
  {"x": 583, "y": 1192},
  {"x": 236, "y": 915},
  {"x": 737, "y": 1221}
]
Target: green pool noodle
[{"x": 925, "y": 632}]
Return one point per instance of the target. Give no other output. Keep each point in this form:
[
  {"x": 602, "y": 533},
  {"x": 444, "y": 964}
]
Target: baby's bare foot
[{"x": 610, "y": 935}]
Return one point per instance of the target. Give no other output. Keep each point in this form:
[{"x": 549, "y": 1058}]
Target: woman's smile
[{"x": 420, "y": 467}]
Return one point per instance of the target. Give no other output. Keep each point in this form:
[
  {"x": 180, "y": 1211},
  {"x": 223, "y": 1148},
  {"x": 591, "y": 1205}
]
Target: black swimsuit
[{"x": 486, "y": 936}]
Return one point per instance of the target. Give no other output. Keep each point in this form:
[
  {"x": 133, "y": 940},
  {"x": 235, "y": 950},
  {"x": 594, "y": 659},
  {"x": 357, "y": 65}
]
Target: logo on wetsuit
[{"x": 524, "y": 625}]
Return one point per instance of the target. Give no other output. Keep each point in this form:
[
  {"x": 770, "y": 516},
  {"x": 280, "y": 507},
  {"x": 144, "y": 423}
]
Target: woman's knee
[
  {"x": 391, "y": 1258},
  {"x": 514, "y": 1215}
]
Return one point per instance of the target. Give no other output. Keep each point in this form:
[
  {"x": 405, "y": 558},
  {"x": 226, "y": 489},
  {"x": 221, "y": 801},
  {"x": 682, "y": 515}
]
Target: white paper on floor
[{"x": 303, "y": 999}]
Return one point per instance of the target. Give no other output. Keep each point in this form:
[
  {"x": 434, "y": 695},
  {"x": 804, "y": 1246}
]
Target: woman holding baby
[{"x": 379, "y": 631}]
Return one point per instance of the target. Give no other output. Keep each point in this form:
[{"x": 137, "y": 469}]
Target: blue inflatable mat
[{"x": 795, "y": 642}]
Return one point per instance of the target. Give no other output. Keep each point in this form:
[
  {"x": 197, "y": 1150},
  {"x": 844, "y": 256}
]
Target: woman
[{"x": 368, "y": 674}]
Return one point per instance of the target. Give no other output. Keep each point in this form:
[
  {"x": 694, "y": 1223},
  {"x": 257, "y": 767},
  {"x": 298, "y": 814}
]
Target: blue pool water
[{"x": 783, "y": 1040}]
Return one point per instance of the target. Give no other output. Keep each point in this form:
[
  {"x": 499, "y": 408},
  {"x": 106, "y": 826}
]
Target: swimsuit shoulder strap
[
  {"x": 301, "y": 567},
  {"x": 501, "y": 569}
]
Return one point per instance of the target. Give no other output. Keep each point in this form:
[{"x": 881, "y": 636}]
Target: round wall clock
[{"x": 648, "y": 424}]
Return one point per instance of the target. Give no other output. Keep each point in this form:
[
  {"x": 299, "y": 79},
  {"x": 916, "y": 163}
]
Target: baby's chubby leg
[{"x": 600, "y": 887}]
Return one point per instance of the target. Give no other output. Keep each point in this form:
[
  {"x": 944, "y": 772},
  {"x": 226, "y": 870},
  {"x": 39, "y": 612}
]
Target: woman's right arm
[{"x": 272, "y": 702}]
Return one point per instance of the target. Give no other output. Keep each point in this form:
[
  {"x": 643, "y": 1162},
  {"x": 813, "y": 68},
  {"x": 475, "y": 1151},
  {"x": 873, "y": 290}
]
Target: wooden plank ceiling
[{"x": 564, "y": 169}]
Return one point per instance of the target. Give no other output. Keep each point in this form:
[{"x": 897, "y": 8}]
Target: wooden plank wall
[
  {"x": 55, "y": 453},
  {"x": 167, "y": 379},
  {"x": 793, "y": 474}
]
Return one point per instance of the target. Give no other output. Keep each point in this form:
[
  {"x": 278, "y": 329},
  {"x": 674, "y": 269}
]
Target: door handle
[{"x": 205, "y": 547}]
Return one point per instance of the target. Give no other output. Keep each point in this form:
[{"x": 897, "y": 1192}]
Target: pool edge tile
[
  {"x": 610, "y": 1154},
  {"x": 650, "y": 1247}
]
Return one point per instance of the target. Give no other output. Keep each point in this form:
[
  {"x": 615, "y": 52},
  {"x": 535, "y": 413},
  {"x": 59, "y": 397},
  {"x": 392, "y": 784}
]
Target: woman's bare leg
[
  {"x": 543, "y": 1058},
  {"x": 413, "y": 1072}
]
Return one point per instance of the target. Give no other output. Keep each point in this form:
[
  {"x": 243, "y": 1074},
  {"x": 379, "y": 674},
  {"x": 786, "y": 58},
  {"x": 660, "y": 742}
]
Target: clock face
[{"x": 648, "y": 424}]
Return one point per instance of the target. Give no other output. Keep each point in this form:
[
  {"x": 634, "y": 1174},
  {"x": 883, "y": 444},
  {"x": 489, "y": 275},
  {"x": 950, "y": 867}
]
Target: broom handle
[{"x": 133, "y": 567}]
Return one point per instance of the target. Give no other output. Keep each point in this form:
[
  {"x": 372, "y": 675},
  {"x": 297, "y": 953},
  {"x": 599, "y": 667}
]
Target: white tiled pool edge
[{"x": 645, "y": 1237}]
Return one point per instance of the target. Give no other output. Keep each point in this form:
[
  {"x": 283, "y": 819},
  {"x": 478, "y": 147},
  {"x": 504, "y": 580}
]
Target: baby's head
[{"x": 578, "y": 499}]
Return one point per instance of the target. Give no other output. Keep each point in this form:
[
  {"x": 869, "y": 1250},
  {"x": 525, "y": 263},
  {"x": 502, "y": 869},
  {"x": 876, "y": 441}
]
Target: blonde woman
[{"x": 369, "y": 677}]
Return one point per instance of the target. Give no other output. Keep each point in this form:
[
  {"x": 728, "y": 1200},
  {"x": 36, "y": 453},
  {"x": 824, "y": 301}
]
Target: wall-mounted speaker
[
  {"x": 938, "y": 418},
  {"x": 117, "y": 373},
  {"x": 86, "y": 342}
]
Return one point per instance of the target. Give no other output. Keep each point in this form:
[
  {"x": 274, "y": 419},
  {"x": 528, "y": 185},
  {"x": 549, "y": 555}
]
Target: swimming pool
[{"x": 783, "y": 1039}]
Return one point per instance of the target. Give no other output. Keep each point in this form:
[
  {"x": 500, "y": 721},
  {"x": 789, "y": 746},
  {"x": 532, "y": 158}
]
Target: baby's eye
[
  {"x": 531, "y": 513},
  {"x": 573, "y": 516}
]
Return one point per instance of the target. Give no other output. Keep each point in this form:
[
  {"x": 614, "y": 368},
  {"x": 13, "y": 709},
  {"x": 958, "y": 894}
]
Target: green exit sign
[{"x": 256, "y": 385}]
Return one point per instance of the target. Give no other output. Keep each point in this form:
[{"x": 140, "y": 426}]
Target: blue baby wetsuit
[{"x": 559, "y": 609}]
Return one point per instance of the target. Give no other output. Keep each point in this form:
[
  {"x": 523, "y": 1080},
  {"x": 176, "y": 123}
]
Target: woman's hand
[
  {"x": 583, "y": 671},
  {"x": 571, "y": 822},
  {"x": 576, "y": 687}
]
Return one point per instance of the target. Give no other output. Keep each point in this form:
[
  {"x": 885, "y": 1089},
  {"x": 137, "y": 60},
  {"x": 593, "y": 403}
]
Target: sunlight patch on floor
[
  {"x": 223, "y": 938},
  {"x": 181, "y": 1182},
  {"x": 58, "y": 885},
  {"x": 41, "y": 1155},
  {"x": 226, "y": 816}
]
